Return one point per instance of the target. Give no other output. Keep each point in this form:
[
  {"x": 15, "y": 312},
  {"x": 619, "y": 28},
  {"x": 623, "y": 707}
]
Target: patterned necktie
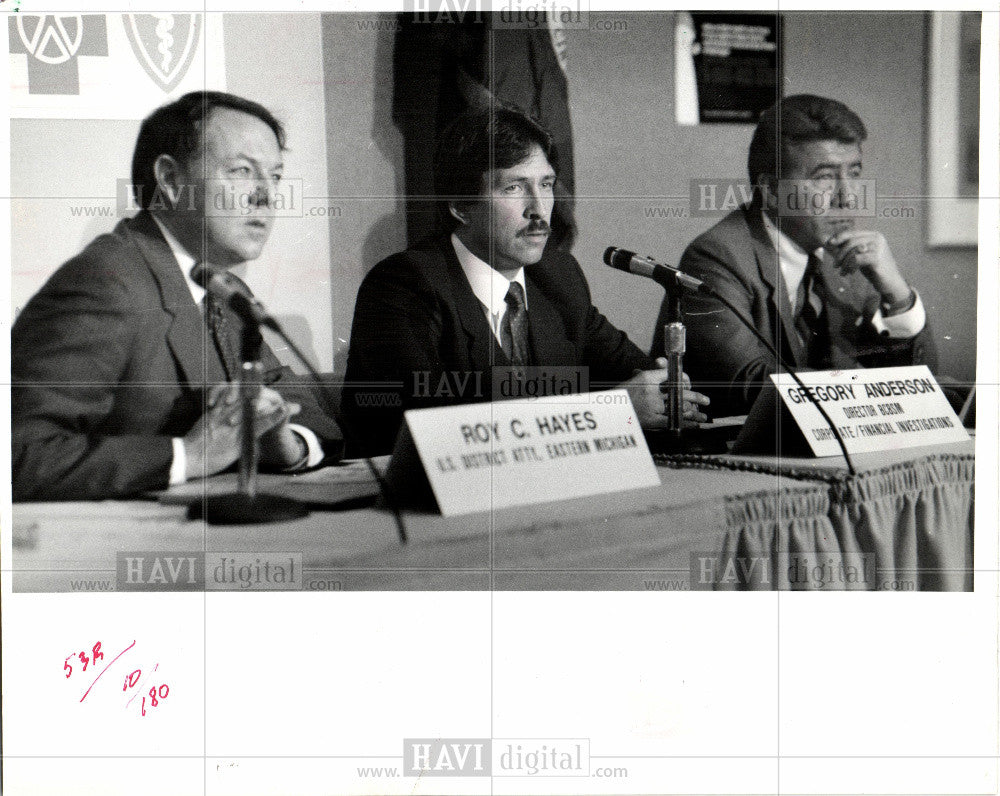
[
  {"x": 808, "y": 322},
  {"x": 223, "y": 337},
  {"x": 514, "y": 326}
]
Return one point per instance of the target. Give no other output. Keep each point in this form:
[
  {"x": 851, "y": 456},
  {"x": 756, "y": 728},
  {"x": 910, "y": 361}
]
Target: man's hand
[
  {"x": 280, "y": 447},
  {"x": 868, "y": 252},
  {"x": 213, "y": 443},
  {"x": 644, "y": 388}
]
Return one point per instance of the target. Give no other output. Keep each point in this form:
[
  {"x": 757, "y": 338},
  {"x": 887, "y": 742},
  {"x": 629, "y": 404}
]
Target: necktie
[
  {"x": 808, "y": 321},
  {"x": 223, "y": 337},
  {"x": 514, "y": 326}
]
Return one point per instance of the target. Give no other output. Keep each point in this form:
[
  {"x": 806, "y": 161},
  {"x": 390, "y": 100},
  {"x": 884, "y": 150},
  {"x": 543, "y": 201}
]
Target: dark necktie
[
  {"x": 514, "y": 326},
  {"x": 223, "y": 336},
  {"x": 808, "y": 322}
]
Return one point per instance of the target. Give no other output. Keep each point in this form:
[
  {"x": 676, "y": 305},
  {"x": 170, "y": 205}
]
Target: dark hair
[
  {"x": 175, "y": 130},
  {"x": 795, "y": 120},
  {"x": 477, "y": 141}
]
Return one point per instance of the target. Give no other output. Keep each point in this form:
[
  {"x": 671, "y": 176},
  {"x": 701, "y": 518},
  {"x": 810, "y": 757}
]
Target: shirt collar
[
  {"x": 184, "y": 260},
  {"x": 488, "y": 284}
]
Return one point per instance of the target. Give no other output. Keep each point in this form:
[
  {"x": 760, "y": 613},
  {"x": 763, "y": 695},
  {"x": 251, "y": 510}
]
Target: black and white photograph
[{"x": 476, "y": 398}]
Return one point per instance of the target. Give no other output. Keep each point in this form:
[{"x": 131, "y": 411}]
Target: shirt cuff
[
  {"x": 314, "y": 449},
  {"x": 905, "y": 324},
  {"x": 178, "y": 468}
]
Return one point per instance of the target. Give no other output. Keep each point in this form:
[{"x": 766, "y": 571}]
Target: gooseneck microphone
[
  {"x": 675, "y": 283},
  {"x": 669, "y": 275},
  {"x": 666, "y": 275},
  {"x": 228, "y": 290}
]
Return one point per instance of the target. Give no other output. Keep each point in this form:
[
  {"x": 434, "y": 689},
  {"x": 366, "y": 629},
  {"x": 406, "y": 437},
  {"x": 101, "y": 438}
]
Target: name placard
[
  {"x": 874, "y": 409},
  {"x": 479, "y": 457}
]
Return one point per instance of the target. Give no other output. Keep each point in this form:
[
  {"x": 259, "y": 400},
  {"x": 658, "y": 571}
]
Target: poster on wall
[
  {"x": 726, "y": 67},
  {"x": 109, "y": 66}
]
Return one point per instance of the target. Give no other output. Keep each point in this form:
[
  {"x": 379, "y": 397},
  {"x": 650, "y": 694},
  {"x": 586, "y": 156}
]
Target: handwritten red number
[
  {"x": 155, "y": 695},
  {"x": 132, "y": 679},
  {"x": 95, "y": 651}
]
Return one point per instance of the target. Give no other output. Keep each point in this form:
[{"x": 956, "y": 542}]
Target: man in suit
[
  {"x": 430, "y": 323},
  {"x": 801, "y": 262},
  {"x": 121, "y": 381}
]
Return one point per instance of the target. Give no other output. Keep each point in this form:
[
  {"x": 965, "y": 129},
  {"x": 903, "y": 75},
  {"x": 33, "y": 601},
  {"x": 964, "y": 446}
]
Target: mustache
[{"x": 535, "y": 226}]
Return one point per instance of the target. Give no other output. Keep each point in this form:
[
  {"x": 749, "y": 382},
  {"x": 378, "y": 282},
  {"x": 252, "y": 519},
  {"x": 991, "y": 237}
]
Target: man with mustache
[
  {"x": 801, "y": 262},
  {"x": 122, "y": 369},
  {"x": 431, "y": 323}
]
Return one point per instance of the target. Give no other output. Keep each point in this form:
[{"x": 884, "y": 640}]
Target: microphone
[
  {"x": 228, "y": 291},
  {"x": 666, "y": 275},
  {"x": 225, "y": 288}
]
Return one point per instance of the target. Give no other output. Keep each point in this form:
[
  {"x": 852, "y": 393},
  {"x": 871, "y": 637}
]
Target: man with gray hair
[{"x": 801, "y": 262}]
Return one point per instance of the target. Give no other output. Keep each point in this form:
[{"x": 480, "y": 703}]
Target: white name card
[
  {"x": 485, "y": 456},
  {"x": 874, "y": 409}
]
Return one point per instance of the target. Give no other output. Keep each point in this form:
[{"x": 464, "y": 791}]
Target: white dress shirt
[
  {"x": 488, "y": 285},
  {"x": 178, "y": 467},
  {"x": 793, "y": 260}
]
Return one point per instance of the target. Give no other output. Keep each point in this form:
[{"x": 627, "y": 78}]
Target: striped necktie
[
  {"x": 514, "y": 326},
  {"x": 223, "y": 336},
  {"x": 808, "y": 321}
]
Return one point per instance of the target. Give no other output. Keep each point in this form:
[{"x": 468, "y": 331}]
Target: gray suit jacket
[
  {"x": 109, "y": 360},
  {"x": 726, "y": 362}
]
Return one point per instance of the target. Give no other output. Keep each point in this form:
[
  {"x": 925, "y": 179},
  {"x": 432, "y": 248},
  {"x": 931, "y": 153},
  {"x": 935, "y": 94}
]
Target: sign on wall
[
  {"x": 110, "y": 66},
  {"x": 727, "y": 67}
]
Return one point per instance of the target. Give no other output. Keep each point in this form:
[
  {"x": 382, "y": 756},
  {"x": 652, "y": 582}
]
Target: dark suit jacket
[
  {"x": 420, "y": 337},
  {"x": 726, "y": 362},
  {"x": 110, "y": 360}
]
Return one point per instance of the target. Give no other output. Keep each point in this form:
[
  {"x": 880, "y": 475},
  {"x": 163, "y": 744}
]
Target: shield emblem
[
  {"x": 51, "y": 38},
  {"x": 164, "y": 44}
]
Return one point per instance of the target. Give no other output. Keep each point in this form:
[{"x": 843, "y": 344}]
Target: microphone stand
[
  {"x": 676, "y": 438},
  {"x": 674, "y": 337},
  {"x": 247, "y": 506},
  {"x": 674, "y": 281}
]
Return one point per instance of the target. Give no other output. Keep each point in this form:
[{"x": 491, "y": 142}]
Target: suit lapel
[
  {"x": 187, "y": 333},
  {"x": 548, "y": 333},
  {"x": 484, "y": 350},
  {"x": 770, "y": 274},
  {"x": 549, "y": 343}
]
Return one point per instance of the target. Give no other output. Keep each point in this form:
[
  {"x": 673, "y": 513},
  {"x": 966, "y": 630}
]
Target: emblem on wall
[
  {"x": 164, "y": 44},
  {"x": 53, "y": 44},
  {"x": 144, "y": 60}
]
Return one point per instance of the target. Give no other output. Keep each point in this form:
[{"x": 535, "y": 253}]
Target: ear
[
  {"x": 767, "y": 184},
  {"x": 459, "y": 211},
  {"x": 169, "y": 179}
]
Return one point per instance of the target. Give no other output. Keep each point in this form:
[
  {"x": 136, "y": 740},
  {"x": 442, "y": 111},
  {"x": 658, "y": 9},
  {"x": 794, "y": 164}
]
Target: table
[{"x": 904, "y": 522}]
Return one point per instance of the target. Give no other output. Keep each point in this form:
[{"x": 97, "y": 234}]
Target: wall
[{"x": 364, "y": 152}]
